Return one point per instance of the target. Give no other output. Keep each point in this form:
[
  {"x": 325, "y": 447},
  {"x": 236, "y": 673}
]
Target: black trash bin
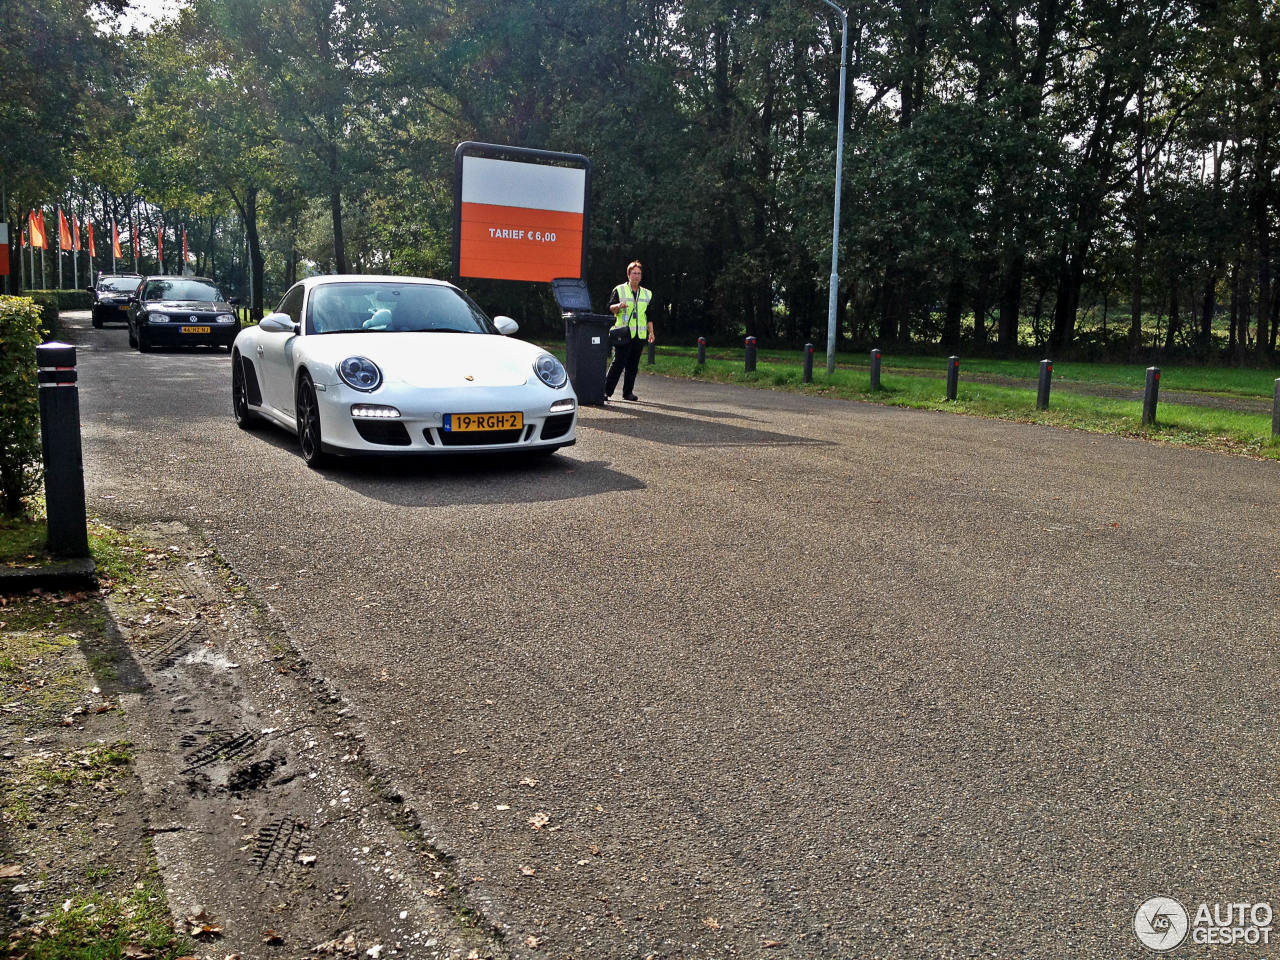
[{"x": 586, "y": 339}]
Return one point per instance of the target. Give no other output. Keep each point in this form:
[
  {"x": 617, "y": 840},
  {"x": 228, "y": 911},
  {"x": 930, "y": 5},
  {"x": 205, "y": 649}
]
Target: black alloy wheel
[
  {"x": 246, "y": 419},
  {"x": 308, "y": 413}
]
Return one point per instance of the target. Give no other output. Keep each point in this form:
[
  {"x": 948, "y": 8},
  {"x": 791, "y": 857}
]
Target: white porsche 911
[{"x": 375, "y": 365}]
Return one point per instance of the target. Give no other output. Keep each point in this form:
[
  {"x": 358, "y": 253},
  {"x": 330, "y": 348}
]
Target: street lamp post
[{"x": 835, "y": 228}]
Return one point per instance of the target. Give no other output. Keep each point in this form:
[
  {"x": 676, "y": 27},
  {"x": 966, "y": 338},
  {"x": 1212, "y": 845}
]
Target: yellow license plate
[
  {"x": 465, "y": 422},
  {"x": 195, "y": 329}
]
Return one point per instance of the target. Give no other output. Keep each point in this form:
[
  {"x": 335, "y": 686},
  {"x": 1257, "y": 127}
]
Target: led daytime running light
[{"x": 374, "y": 411}]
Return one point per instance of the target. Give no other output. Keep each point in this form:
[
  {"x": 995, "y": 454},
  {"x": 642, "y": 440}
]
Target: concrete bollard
[
  {"x": 875, "y": 370},
  {"x": 751, "y": 355},
  {"x": 1275, "y": 412},
  {"x": 651, "y": 353},
  {"x": 953, "y": 376},
  {"x": 1042, "y": 390},
  {"x": 60, "y": 438},
  {"x": 1151, "y": 397},
  {"x": 702, "y": 350},
  {"x": 808, "y": 363}
]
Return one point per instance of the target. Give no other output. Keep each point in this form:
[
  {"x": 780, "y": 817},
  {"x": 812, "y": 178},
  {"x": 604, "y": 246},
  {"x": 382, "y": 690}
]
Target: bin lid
[{"x": 571, "y": 294}]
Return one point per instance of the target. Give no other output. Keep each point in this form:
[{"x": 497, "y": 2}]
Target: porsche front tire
[{"x": 308, "y": 420}]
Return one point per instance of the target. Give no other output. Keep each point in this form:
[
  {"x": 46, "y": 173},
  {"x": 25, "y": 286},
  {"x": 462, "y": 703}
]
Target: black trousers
[{"x": 626, "y": 360}]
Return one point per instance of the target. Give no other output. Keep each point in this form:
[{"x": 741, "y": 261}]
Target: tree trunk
[
  {"x": 1011, "y": 302},
  {"x": 980, "y": 305},
  {"x": 1139, "y": 228},
  {"x": 955, "y": 306},
  {"x": 1175, "y": 320}
]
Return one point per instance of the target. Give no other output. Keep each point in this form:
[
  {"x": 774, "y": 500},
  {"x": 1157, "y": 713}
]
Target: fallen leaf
[
  {"x": 539, "y": 820},
  {"x": 531, "y": 941},
  {"x": 271, "y": 938},
  {"x": 711, "y": 923},
  {"x": 307, "y": 859},
  {"x": 770, "y": 944},
  {"x": 11, "y": 870},
  {"x": 528, "y": 782},
  {"x": 527, "y": 870},
  {"x": 135, "y": 952}
]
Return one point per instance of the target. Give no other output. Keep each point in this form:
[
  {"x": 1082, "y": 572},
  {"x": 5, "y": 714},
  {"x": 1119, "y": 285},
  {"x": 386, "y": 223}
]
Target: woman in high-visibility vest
[{"x": 629, "y": 303}]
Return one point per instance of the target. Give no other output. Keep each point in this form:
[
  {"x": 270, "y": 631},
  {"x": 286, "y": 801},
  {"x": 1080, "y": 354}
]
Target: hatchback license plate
[
  {"x": 466, "y": 422},
  {"x": 195, "y": 330}
]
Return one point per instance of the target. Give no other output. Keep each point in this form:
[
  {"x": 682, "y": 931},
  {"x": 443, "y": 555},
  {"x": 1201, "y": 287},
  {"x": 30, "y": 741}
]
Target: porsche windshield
[
  {"x": 181, "y": 290},
  {"x": 416, "y": 307}
]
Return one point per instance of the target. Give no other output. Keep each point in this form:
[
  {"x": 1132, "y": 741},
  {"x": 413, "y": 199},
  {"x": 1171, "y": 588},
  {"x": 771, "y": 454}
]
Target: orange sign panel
[{"x": 520, "y": 221}]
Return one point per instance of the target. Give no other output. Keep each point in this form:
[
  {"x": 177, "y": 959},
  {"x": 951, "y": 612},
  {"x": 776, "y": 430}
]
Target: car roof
[
  {"x": 310, "y": 282},
  {"x": 177, "y": 276}
]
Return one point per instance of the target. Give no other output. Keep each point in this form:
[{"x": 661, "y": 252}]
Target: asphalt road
[{"x": 786, "y": 677}]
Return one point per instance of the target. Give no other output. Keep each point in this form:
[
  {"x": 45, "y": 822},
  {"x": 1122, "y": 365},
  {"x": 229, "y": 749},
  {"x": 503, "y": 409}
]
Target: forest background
[{"x": 1094, "y": 179}]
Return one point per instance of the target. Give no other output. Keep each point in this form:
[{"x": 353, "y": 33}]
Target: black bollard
[
  {"x": 808, "y": 363},
  {"x": 1151, "y": 397},
  {"x": 1042, "y": 392},
  {"x": 875, "y": 370},
  {"x": 751, "y": 355},
  {"x": 60, "y": 438},
  {"x": 1275, "y": 412},
  {"x": 702, "y": 350},
  {"x": 650, "y": 353},
  {"x": 953, "y": 376}
]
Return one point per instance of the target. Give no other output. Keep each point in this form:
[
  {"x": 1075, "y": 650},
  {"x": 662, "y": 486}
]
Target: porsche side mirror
[
  {"x": 278, "y": 323},
  {"x": 506, "y": 326}
]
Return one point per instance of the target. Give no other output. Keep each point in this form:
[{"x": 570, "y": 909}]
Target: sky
[{"x": 144, "y": 14}]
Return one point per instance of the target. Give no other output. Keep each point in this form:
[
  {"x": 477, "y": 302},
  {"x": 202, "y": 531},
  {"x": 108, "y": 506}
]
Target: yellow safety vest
[{"x": 634, "y": 316}]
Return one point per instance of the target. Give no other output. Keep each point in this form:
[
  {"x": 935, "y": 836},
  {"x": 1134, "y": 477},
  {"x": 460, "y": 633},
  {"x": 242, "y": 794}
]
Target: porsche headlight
[
  {"x": 550, "y": 371},
  {"x": 360, "y": 374}
]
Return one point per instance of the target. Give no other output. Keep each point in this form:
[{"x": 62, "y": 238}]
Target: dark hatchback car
[
  {"x": 181, "y": 311},
  {"x": 111, "y": 297}
]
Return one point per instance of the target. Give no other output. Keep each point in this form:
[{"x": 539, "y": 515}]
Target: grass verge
[{"x": 1242, "y": 433}]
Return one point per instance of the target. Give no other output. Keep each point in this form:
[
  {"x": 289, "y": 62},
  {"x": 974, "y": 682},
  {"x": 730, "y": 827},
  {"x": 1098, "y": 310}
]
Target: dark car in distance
[
  {"x": 111, "y": 297},
  {"x": 172, "y": 311}
]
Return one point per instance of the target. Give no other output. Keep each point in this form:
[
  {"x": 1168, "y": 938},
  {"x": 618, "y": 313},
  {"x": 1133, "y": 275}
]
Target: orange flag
[
  {"x": 36, "y": 224},
  {"x": 75, "y": 232},
  {"x": 115, "y": 242},
  {"x": 184, "y": 245},
  {"x": 92, "y": 252},
  {"x": 160, "y": 243},
  {"x": 64, "y": 232}
]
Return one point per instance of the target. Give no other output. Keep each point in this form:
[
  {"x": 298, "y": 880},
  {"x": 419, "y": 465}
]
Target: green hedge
[
  {"x": 67, "y": 299},
  {"x": 46, "y": 302},
  {"x": 20, "y": 452}
]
